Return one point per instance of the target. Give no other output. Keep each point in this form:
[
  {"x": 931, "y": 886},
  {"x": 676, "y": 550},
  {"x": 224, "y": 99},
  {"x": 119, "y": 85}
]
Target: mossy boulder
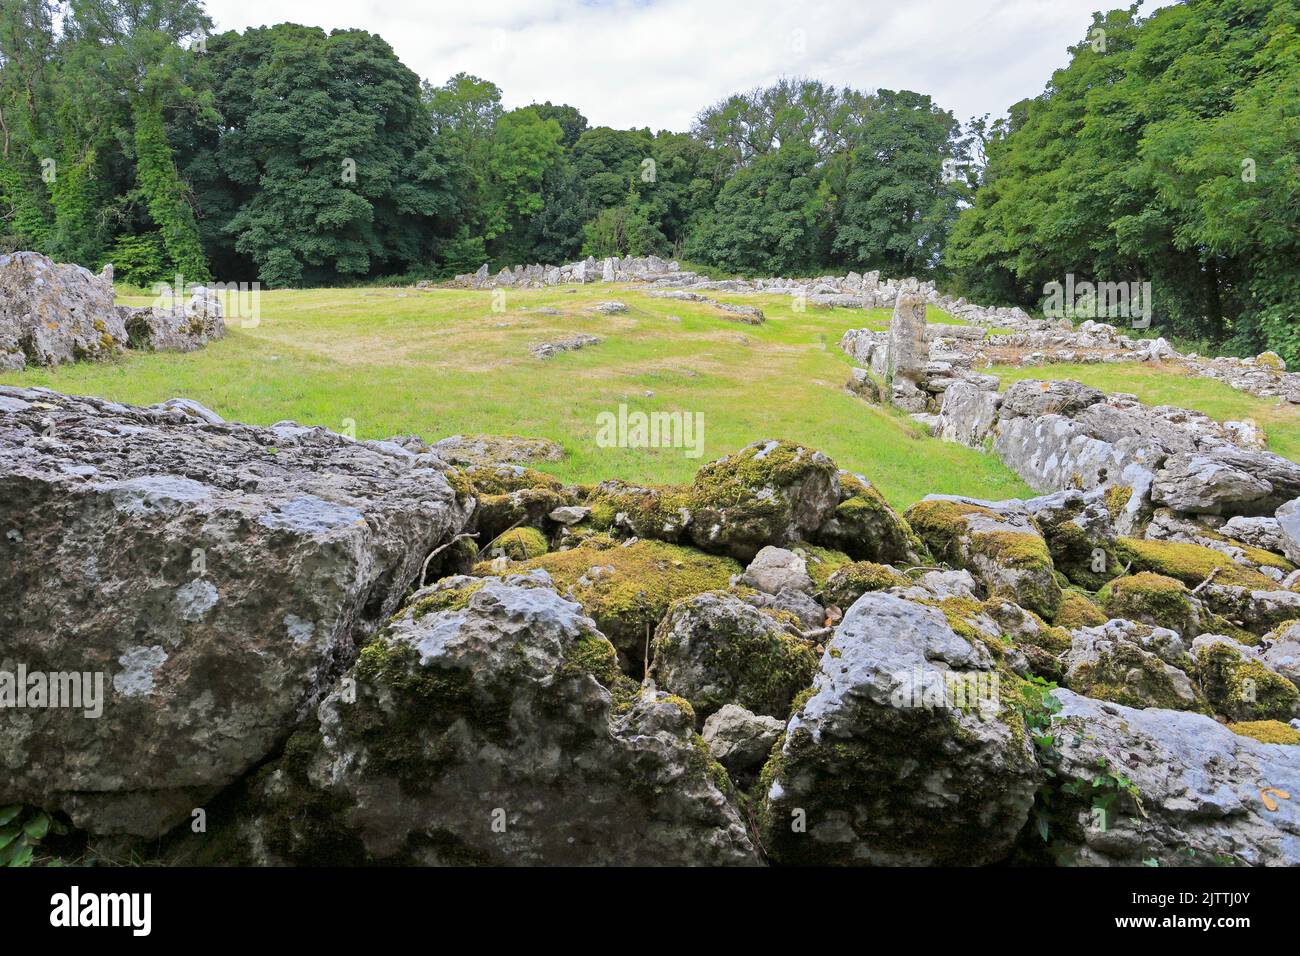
[
  {"x": 852, "y": 581},
  {"x": 627, "y": 589},
  {"x": 662, "y": 512},
  {"x": 1080, "y": 536},
  {"x": 770, "y": 492},
  {"x": 911, "y": 748},
  {"x": 1190, "y": 563},
  {"x": 520, "y": 544},
  {"x": 1078, "y": 610},
  {"x": 713, "y": 649},
  {"x": 490, "y": 734},
  {"x": 1240, "y": 686},
  {"x": 511, "y": 496},
  {"x": 1129, "y": 664},
  {"x": 998, "y": 543},
  {"x": 866, "y": 528},
  {"x": 1153, "y": 599}
]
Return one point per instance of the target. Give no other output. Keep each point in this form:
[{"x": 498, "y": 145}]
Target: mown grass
[
  {"x": 1168, "y": 384},
  {"x": 442, "y": 362}
]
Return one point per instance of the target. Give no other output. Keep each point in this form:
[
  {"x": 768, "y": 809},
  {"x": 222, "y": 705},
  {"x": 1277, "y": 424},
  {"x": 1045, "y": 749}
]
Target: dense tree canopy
[{"x": 1165, "y": 151}]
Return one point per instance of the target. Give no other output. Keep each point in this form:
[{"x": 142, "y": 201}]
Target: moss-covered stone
[
  {"x": 821, "y": 562},
  {"x": 1125, "y": 673},
  {"x": 1078, "y": 610},
  {"x": 713, "y": 649},
  {"x": 1243, "y": 689},
  {"x": 768, "y": 493},
  {"x": 1189, "y": 563},
  {"x": 866, "y": 528},
  {"x": 941, "y": 524},
  {"x": 1152, "y": 599},
  {"x": 852, "y": 581},
  {"x": 1267, "y": 731},
  {"x": 627, "y": 590},
  {"x": 662, "y": 512},
  {"x": 520, "y": 544}
]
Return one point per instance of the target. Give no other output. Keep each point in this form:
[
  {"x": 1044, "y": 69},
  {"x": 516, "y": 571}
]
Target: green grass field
[{"x": 442, "y": 362}]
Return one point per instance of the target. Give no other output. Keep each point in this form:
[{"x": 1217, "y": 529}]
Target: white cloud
[{"x": 656, "y": 63}]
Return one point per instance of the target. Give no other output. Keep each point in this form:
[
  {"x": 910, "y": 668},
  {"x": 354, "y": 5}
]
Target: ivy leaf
[
  {"x": 9, "y": 812},
  {"x": 37, "y": 826}
]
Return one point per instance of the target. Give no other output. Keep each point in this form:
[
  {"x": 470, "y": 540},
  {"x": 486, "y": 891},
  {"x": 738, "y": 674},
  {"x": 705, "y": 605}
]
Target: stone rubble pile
[
  {"x": 372, "y": 656},
  {"x": 1019, "y": 338},
  {"x": 52, "y": 313}
]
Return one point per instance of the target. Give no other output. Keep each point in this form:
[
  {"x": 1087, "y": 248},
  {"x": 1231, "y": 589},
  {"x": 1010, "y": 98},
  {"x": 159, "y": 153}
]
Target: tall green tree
[{"x": 1165, "y": 151}]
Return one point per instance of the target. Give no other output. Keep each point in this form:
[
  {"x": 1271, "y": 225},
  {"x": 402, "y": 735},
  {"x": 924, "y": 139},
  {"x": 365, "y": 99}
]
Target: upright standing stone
[{"x": 908, "y": 353}]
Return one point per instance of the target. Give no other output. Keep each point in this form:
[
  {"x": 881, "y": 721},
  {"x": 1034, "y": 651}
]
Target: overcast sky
[{"x": 656, "y": 63}]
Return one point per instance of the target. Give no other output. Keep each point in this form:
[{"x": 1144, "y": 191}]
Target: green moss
[
  {"x": 1125, "y": 674},
  {"x": 1242, "y": 689},
  {"x": 520, "y": 544},
  {"x": 1151, "y": 599},
  {"x": 1013, "y": 549},
  {"x": 821, "y": 562},
  {"x": 747, "y": 661},
  {"x": 504, "y": 479},
  {"x": 732, "y": 480},
  {"x": 941, "y": 523},
  {"x": 852, "y": 581},
  {"x": 1189, "y": 563},
  {"x": 628, "y": 590},
  {"x": 1267, "y": 731},
  {"x": 594, "y": 655},
  {"x": 660, "y": 511},
  {"x": 1117, "y": 499},
  {"x": 441, "y": 599},
  {"x": 1078, "y": 610}
]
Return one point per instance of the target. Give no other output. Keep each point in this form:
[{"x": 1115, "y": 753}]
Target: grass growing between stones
[
  {"x": 442, "y": 362},
  {"x": 1170, "y": 384}
]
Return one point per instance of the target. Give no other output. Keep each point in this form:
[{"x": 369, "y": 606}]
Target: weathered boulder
[
  {"x": 739, "y": 739},
  {"x": 1288, "y": 527},
  {"x": 908, "y": 351},
  {"x": 769, "y": 492},
  {"x": 1201, "y": 789},
  {"x": 714, "y": 649},
  {"x": 773, "y": 570},
  {"x": 1239, "y": 684},
  {"x": 51, "y": 313},
  {"x": 1213, "y": 484},
  {"x": 1281, "y": 651},
  {"x": 997, "y": 542},
  {"x": 497, "y": 449},
  {"x": 216, "y": 575},
  {"x": 171, "y": 326},
  {"x": 884, "y": 765},
  {"x": 865, "y": 527},
  {"x": 968, "y": 414},
  {"x": 486, "y": 732},
  {"x": 1133, "y": 665},
  {"x": 1032, "y": 398}
]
